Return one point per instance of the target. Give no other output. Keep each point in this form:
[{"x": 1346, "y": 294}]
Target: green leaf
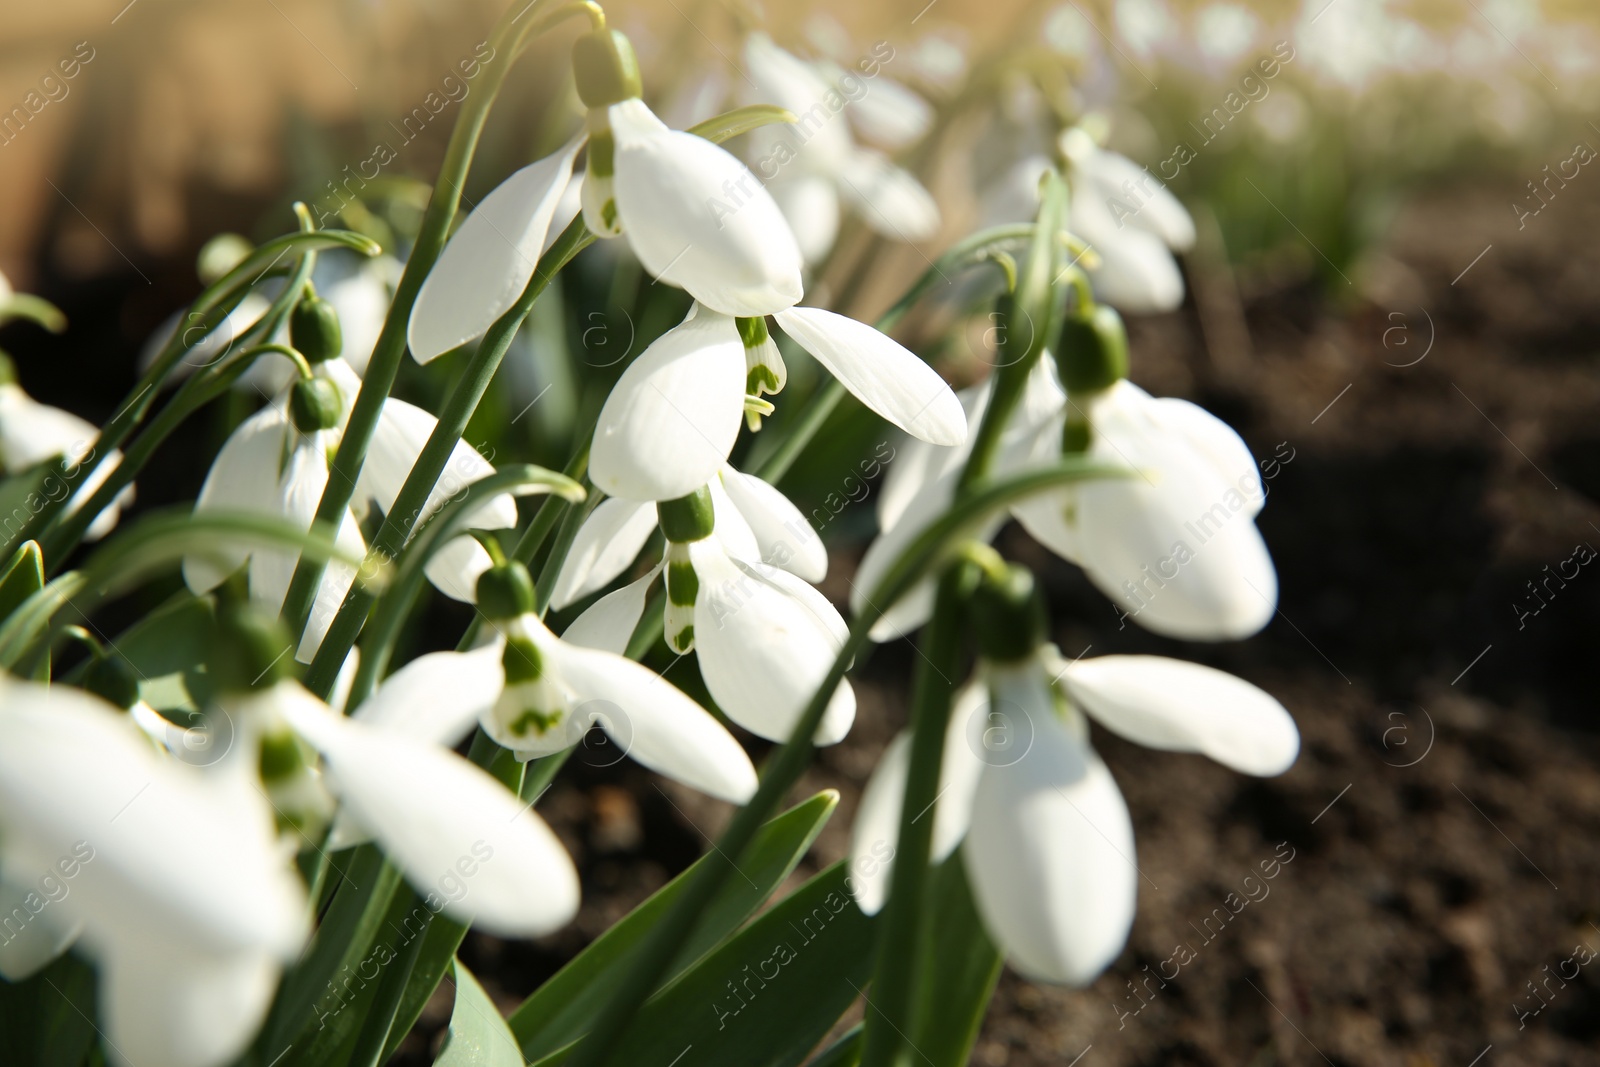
[
  {"x": 564, "y": 1008},
  {"x": 45, "y": 1019},
  {"x": 24, "y": 576},
  {"x": 33, "y": 308},
  {"x": 770, "y": 993},
  {"x": 740, "y": 120},
  {"x": 478, "y": 1037},
  {"x": 167, "y": 649},
  {"x": 21, "y": 500},
  {"x": 960, "y": 968}
]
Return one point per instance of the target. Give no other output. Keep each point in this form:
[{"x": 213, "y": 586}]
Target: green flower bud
[
  {"x": 1008, "y": 615},
  {"x": 314, "y": 329},
  {"x": 1092, "y": 354},
  {"x": 314, "y": 404},
  {"x": 250, "y": 649},
  {"x": 8, "y": 370},
  {"x": 505, "y": 592},
  {"x": 113, "y": 677},
  {"x": 606, "y": 69},
  {"x": 688, "y": 518}
]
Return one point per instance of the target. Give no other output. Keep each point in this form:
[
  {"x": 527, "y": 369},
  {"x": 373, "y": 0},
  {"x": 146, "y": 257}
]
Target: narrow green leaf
[
  {"x": 770, "y": 993},
  {"x": 24, "y": 576},
  {"x": 478, "y": 1037},
  {"x": 565, "y": 1007},
  {"x": 960, "y": 968},
  {"x": 21, "y": 499},
  {"x": 741, "y": 120},
  {"x": 45, "y": 1020},
  {"x": 167, "y": 649}
]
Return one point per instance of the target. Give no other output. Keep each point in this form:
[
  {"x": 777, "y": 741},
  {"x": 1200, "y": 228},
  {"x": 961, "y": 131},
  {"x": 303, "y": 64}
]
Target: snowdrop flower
[
  {"x": 276, "y": 463},
  {"x": 738, "y": 563},
  {"x": 673, "y": 417},
  {"x": 1132, "y": 222},
  {"x": 1049, "y": 844},
  {"x": 536, "y": 694},
  {"x": 1174, "y": 544},
  {"x": 178, "y": 889},
  {"x": 32, "y": 433},
  {"x": 813, "y": 163}
]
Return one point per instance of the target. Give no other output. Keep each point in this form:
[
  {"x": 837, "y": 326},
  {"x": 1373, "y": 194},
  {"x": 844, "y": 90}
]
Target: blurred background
[{"x": 1394, "y": 296}]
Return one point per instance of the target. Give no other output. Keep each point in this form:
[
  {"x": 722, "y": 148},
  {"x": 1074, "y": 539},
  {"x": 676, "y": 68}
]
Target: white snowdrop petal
[
  {"x": 883, "y": 374},
  {"x": 437, "y": 697},
  {"x": 763, "y": 651},
  {"x": 961, "y": 768},
  {"x": 674, "y": 415},
  {"x": 1050, "y": 857},
  {"x": 1185, "y": 707},
  {"x": 162, "y": 847},
  {"x": 889, "y": 198},
  {"x": 1218, "y": 442},
  {"x": 609, "y": 539},
  {"x": 820, "y": 140},
  {"x": 1174, "y": 545},
  {"x": 337, "y": 578},
  {"x": 698, "y": 219},
  {"x": 729, "y": 524},
  {"x": 445, "y": 823},
  {"x": 1139, "y": 199},
  {"x": 889, "y": 114},
  {"x": 785, "y": 538},
  {"x": 875, "y": 835},
  {"x": 609, "y": 622},
  {"x": 243, "y": 477},
  {"x": 917, "y": 464},
  {"x": 294, "y": 500},
  {"x": 180, "y": 1007},
  {"x": 652, "y": 722},
  {"x": 489, "y": 260},
  {"x": 1137, "y": 273}
]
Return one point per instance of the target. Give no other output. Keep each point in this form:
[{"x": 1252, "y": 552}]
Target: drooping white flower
[
  {"x": 32, "y": 433},
  {"x": 694, "y": 215},
  {"x": 812, "y": 163},
  {"x": 738, "y": 593},
  {"x": 1049, "y": 845},
  {"x": 537, "y": 694},
  {"x": 269, "y": 466},
  {"x": 176, "y": 885},
  {"x": 673, "y": 417},
  {"x": 1174, "y": 544},
  {"x": 1133, "y": 223},
  {"x": 429, "y": 809}
]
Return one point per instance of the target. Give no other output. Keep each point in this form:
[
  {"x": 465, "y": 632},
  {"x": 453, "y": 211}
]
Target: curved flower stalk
[
  {"x": 178, "y": 888},
  {"x": 673, "y": 417},
  {"x": 1174, "y": 544},
  {"x": 1049, "y": 846},
  {"x": 1133, "y": 223},
  {"x": 536, "y": 694},
  {"x": 738, "y": 562},
  {"x": 32, "y": 433},
  {"x": 276, "y": 463},
  {"x": 812, "y": 164}
]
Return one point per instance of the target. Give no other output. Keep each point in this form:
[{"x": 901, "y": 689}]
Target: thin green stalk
[
  {"x": 384, "y": 365},
  {"x": 789, "y": 762},
  {"x": 890, "y": 1008}
]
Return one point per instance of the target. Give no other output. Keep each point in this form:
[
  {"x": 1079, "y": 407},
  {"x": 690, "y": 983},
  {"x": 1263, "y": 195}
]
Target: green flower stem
[
  {"x": 890, "y": 1009},
  {"x": 979, "y": 248},
  {"x": 383, "y": 367},
  {"x": 58, "y": 541},
  {"x": 783, "y": 770},
  {"x": 570, "y": 524}
]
